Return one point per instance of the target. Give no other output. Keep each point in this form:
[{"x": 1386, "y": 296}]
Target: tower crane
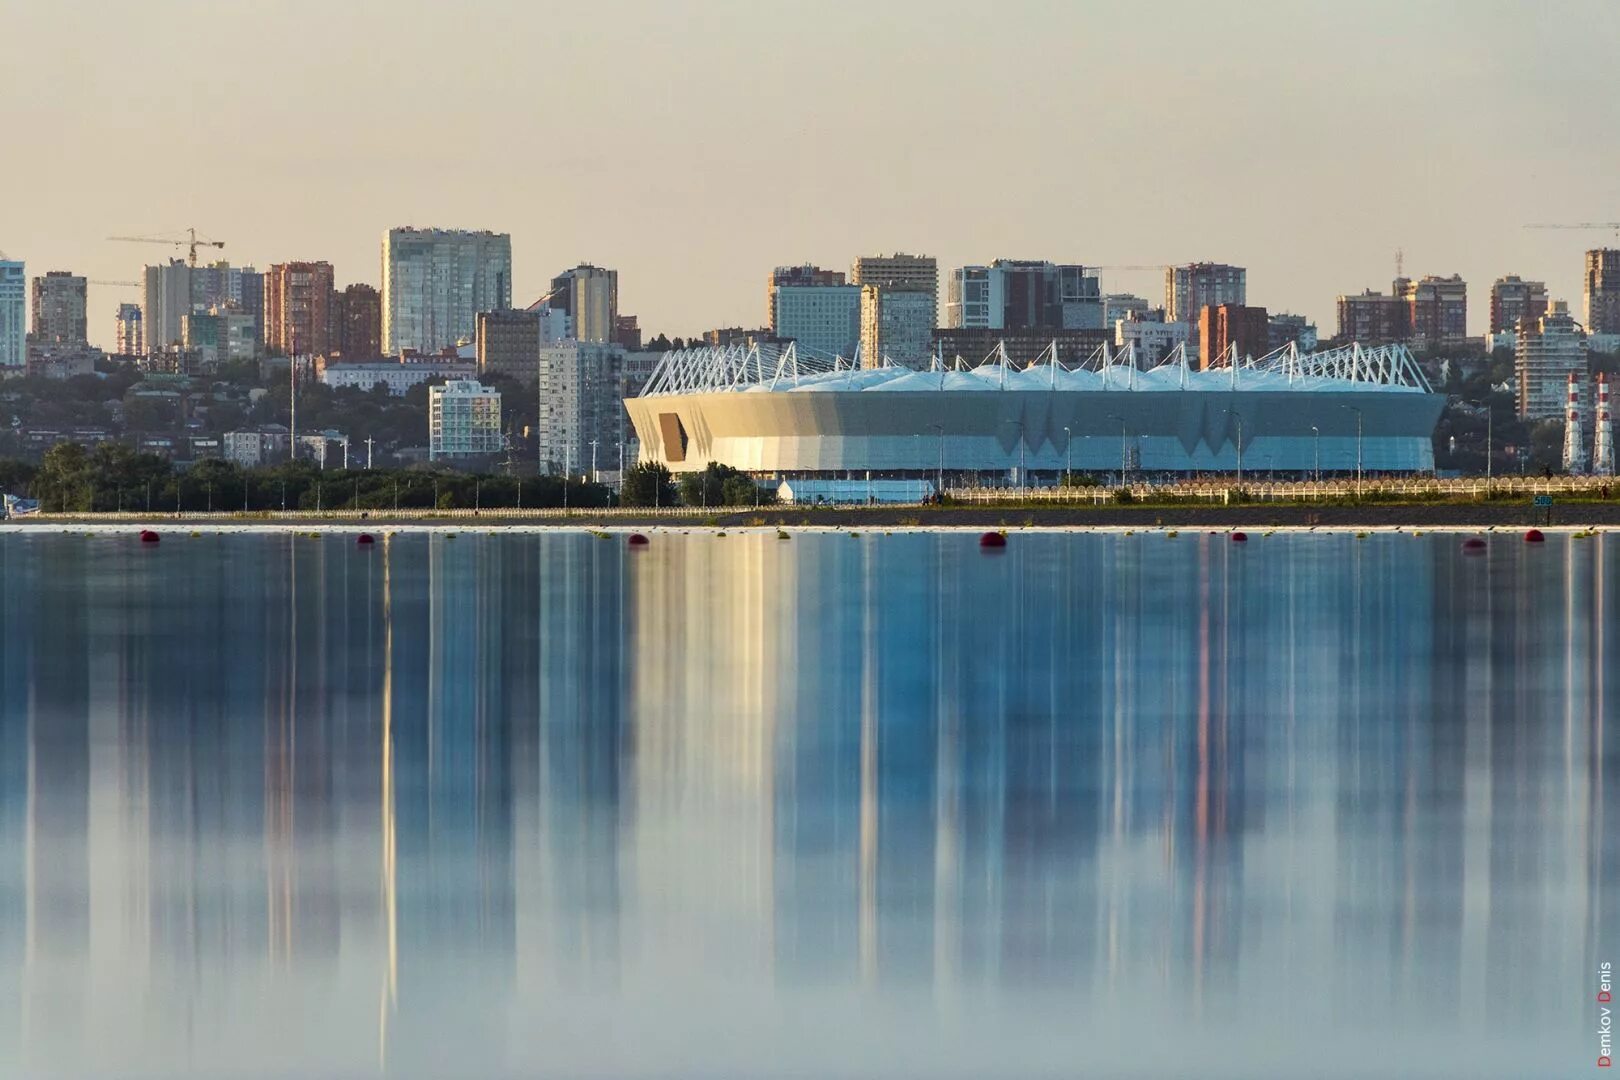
[
  {"x": 118, "y": 284},
  {"x": 191, "y": 242},
  {"x": 1615, "y": 225}
]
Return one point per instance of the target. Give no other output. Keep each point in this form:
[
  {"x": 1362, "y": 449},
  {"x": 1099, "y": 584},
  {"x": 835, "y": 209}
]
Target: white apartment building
[
  {"x": 896, "y": 324},
  {"x": 1153, "y": 340},
  {"x": 1545, "y": 355},
  {"x": 399, "y": 376},
  {"x": 464, "y": 420},
  {"x": 436, "y": 281},
  {"x": 13, "y": 316},
  {"x": 822, "y": 318},
  {"x": 581, "y": 407}
]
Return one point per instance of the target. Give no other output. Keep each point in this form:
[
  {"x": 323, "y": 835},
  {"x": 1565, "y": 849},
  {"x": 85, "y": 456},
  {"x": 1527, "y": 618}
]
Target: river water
[{"x": 877, "y": 805}]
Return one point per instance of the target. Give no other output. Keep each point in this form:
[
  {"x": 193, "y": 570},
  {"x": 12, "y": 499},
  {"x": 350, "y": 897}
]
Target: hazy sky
[{"x": 694, "y": 144}]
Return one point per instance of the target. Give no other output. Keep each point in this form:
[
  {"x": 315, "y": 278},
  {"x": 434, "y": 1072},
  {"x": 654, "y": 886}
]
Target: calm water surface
[{"x": 507, "y": 805}]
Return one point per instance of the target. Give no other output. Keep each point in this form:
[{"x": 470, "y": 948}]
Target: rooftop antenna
[{"x": 1400, "y": 263}]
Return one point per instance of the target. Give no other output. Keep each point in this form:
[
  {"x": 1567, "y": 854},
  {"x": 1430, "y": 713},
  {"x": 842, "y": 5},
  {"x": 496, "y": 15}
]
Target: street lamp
[
  {"x": 1068, "y": 453},
  {"x": 1357, "y": 411},
  {"x": 1316, "y": 441}
]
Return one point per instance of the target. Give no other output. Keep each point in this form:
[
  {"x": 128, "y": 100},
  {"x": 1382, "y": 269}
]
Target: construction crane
[
  {"x": 118, "y": 284},
  {"x": 192, "y": 242},
  {"x": 1615, "y": 225}
]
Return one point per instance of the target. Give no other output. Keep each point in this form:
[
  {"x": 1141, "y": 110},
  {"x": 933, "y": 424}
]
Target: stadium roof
[{"x": 787, "y": 369}]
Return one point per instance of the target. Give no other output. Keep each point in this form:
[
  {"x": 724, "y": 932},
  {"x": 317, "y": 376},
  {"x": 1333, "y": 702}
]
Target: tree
[
  {"x": 720, "y": 485},
  {"x": 648, "y": 483},
  {"x": 64, "y": 483},
  {"x": 15, "y": 476}
]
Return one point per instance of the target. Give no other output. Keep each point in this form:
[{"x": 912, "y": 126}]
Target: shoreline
[{"x": 1291, "y": 517}]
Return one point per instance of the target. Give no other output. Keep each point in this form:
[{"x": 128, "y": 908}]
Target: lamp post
[
  {"x": 1316, "y": 442},
  {"x": 1357, "y": 411},
  {"x": 1068, "y": 453}
]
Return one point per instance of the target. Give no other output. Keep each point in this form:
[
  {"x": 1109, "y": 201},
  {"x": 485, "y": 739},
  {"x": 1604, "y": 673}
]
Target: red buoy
[
  {"x": 1533, "y": 536},
  {"x": 365, "y": 539},
  {"x": 1473, "y": 546},
  {"x": 148, "y": 536},
  {"x": 1240, "y": 538},
  {"x": 637, "y": 540},
  {"x": 992, "y": 540}
]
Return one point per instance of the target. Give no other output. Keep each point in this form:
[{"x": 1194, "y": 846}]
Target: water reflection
[{"x": 270, "y": 803}]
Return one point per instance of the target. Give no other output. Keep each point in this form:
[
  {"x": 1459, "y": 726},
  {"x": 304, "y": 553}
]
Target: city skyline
[{"x": 693, "y": 185}]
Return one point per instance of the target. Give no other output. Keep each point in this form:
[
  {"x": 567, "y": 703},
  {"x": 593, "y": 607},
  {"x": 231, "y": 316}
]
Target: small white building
[{"x": 464, "y": 420}]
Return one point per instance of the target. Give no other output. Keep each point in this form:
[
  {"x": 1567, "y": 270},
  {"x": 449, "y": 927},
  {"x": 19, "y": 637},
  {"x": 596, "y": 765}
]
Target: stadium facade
[{"x": 780, "y": 411}]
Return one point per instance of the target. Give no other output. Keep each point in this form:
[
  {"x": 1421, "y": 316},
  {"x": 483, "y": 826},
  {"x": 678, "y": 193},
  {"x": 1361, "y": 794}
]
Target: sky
[{"x": 694, "y": 144}]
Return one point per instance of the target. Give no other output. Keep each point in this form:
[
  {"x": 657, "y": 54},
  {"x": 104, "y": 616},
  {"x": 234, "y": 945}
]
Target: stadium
[{"x": 780, "y": 411}]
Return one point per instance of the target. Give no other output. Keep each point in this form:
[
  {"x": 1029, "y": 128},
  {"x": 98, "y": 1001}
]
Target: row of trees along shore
[{"x": 114, "y": 477}]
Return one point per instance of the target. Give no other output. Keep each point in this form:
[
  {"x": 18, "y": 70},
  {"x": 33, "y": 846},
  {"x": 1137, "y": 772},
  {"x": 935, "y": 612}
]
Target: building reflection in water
[{"x": 426, "y": 807}]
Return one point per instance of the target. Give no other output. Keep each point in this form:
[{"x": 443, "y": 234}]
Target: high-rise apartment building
[
  {"x": 130, "y": 339},
  {"x": 1189, "y": 289},
  {"x": 13, "y": 315},
  {"x": 436, "y": 281},
  {"x": 1373, "y": 318},
  {"x": 823, "y": 318},
  {"x": 175, "y": 289},
  {"x": 1016, "y": 294},
  {"x": 298, "y": 309},
  {"x": 168, "y": 297},
  {"x": 1437, "y": 309},
  {"x": 581, "y": 394},
  {"x": 1603, "y": 291},
  {"x": 1548, "y": 351},
  {"x": 222, "y": 285},
  {"x": 1232, "y": 331},
  {"x": 357, "y": 322},
  {"x": 897, "y": 324},
  {"x": 900, "y": 273},
  {"x": 59, "y": 309},
  {"x": 1512, "y": 299},
  {"x": 464, "y": 420},
  {"x": 590, "y": 297},
  {"x": 509, "y": 344},
  {"x": 796, "y": 276}
]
